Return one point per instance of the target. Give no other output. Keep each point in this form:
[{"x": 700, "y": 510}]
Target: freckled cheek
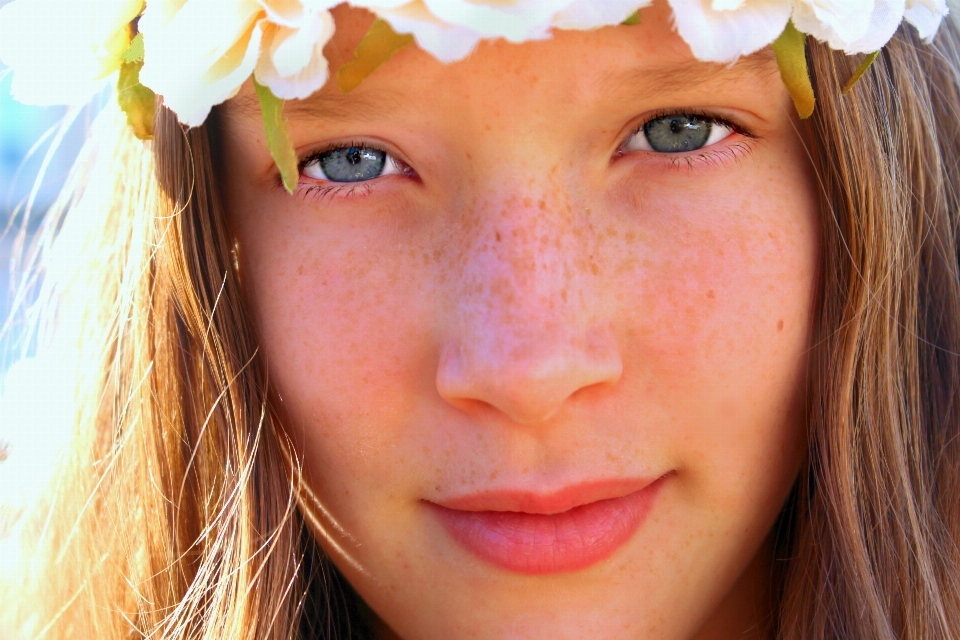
[
  {"x": 343, "y": 331},
  {"x": 723, "y": 280}
]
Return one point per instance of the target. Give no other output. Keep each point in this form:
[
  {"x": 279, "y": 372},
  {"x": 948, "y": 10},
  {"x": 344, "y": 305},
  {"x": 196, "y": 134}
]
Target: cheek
[
  {"x": 728, "y": 279},
  {"x": 340, "y": 318},
  {"x": 723, "y": 320}
]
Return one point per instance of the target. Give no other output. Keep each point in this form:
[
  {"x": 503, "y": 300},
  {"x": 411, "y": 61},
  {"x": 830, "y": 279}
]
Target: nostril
[{"x": 531, "y": 384}]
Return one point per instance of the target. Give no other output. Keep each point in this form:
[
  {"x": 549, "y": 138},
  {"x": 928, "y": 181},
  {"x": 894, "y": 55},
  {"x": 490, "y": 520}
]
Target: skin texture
[{"x": 533, "y": 309}]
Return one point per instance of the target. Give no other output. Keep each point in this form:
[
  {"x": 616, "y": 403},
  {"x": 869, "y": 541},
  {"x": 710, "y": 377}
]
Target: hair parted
[{"x": 174, "y": 512}]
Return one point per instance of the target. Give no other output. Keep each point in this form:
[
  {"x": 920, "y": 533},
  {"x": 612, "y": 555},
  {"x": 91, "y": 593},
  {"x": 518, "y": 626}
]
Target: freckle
[
  {"x": 499, "y": 238},
  {"x": 527, "y": 202},
  {"x": 467, "y": 154},
  {"x": 594, "y": 269},
  {"x": 780, "y": 326},
  {"x": 300, "y": 270},
  {"x": 630, "y": 237},
  {"x": 711, "y": 295},
  {"x": 543, "y": 204}
]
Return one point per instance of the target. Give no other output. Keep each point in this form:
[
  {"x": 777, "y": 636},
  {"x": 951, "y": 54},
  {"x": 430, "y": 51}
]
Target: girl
[{"x": 571, "y": 332}]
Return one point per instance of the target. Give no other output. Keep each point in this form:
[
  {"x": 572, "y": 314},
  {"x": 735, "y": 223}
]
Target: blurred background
[
  {"x": 26, "y": 133},
  {"x": 30, "y": 392}
]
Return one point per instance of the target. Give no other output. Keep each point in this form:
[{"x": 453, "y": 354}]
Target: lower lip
[{"x": 536, "y": 544}]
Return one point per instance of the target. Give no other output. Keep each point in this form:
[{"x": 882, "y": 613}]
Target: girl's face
[{"x": 538, "y": 323}]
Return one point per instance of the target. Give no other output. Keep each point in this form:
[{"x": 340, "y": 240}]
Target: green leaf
[
  {"x": 865, "y": 64},
  {"x": 634, "y": 19},
  {"x": 791, "y": 51},
  {"x": 278, "y": 141},
  {"x": 136, "y": 100},
  {"x": 134, "y": 52},
  {"x": 379, "y": 45}
]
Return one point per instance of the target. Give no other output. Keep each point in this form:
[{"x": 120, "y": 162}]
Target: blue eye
[
  {"x": 350, "y": 164},
  {"x": 677, "y": 133}
]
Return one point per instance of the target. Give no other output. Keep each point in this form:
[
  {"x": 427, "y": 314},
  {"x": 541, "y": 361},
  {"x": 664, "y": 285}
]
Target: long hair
[
  {"x": 173, "y": 513},
  {"x": 872, "y": 546}
]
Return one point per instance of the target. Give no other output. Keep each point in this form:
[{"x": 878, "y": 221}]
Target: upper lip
[{"x": 548, "y": 502}]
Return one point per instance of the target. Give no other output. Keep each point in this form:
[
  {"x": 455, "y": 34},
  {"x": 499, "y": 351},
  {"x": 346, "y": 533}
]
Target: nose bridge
[
  {"x": 529, "y": 330},
  {"x": 524, "y": 267}
]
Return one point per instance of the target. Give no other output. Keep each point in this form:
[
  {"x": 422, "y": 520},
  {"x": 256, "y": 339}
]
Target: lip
[{"x": 533, "y": 533}]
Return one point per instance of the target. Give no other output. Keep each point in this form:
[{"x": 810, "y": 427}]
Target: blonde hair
[{"x": 173, "y": 514}]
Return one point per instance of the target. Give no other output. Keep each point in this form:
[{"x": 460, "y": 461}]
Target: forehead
[{"x": 572, "y": 67}]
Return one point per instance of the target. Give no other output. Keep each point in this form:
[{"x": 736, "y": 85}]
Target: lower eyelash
[
  {"x": 710, "y": 157},
  {"x": 328, "y": 192}
]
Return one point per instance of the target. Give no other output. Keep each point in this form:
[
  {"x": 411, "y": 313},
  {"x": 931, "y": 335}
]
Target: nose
[{"x": 529, "y": 326}]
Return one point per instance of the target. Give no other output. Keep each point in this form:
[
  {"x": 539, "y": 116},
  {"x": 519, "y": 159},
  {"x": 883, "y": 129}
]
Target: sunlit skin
[{"x": 531, "y": 307}]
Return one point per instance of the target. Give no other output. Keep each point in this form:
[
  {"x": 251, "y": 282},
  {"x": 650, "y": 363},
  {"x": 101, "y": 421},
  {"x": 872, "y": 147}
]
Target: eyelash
[
  {"x": 344, "y": 189},
  {"x": 706, "y": 157},
  {"x": 716, "y": 155}
]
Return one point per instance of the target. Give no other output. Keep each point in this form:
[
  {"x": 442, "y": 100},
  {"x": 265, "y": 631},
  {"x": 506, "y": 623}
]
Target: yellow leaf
[
  {"x": 865, "y": 64},
  {"x": 379, "y": 45},
  {"x": 136, "y": 100},
  {"x": 791, "y": 51},
  {"x": 278, "y": 141},
  {"x": 134, "y": 52}
]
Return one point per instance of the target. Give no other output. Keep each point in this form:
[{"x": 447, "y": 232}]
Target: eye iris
[
  {"x": 677, "y": 133},
  {"x": 353, "y": 164}
]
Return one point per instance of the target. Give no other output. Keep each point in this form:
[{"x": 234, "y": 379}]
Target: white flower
[
  {"x": 64, "y": 52},
  {"x": 853, "y": 26},
  {"x": 450, "y": 29},
  {"x": 291, "y": 61},
  {"x": 199, "y": 52},
  {"x": 724, "y": 30},
  {"x": 926, "y": 16},
  {"x": 589, "y": 14}
]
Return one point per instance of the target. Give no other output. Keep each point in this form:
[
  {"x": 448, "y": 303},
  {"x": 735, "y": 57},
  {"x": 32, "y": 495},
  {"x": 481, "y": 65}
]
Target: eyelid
[
  {"x": 706, "y": 114},
  {"x": 394, "y": 159}
]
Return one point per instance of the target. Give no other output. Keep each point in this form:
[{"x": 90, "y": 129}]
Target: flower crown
[{"x": 197, "y": 53}]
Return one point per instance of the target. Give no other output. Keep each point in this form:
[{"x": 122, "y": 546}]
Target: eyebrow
[
  {"x": 335, "y": 106},
  {"x": 689, "y": 74},
  {"x": 672, "y": 79}
]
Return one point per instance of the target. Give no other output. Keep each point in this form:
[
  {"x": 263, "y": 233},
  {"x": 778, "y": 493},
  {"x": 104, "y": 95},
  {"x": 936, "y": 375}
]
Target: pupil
[
  {"x": 678, "y": 133},
  {"x": 353, "y": 164}
]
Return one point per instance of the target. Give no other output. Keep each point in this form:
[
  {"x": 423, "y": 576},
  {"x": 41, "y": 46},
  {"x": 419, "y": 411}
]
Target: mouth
[{"x": 535, "y": 534}]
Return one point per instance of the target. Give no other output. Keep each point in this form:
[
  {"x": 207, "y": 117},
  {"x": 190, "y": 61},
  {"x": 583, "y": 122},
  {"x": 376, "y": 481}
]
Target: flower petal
[
  {"x": 63, "y": 52},
  {"x": 446, "y": 42},
  {"x": 292, "y": 63},
  {"x": 853, "y": 26},
  {"x": 724, "y": 36},
  {"x": 200, "y": 52},
  {"x": 450, "y": 29},
  {"x": 516, "y": 21},
  {"x": 589, "y": 14},
  {"x": 926, "y": 16}
]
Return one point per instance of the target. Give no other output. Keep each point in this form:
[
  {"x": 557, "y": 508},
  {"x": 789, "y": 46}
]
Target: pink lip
[{"x": 533, "y": 534}]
